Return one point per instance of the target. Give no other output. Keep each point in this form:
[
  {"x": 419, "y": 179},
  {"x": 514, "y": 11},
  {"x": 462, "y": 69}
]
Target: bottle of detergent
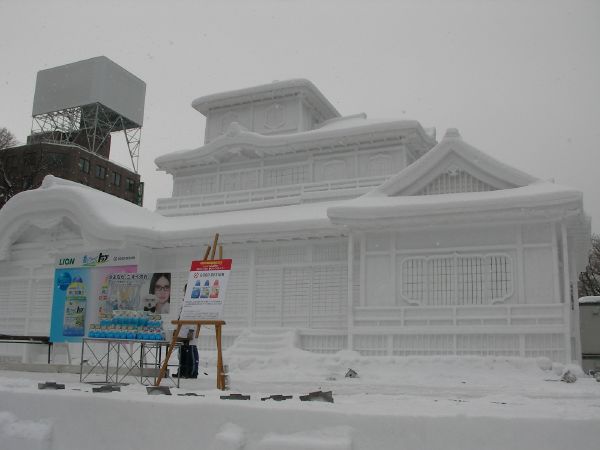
[
  {"x": 196, "y": 290},
  {"x": 74, "y": 318},
  {"x": 205, "y": 290},
  {"x": 214, "y": 292}
]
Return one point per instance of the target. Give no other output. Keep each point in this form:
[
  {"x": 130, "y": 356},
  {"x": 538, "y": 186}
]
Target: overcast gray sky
[{"x": 520, "y": 79}]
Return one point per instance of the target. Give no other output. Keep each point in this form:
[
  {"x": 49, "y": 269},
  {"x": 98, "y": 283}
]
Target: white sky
[{"x": 520, "y": 79}]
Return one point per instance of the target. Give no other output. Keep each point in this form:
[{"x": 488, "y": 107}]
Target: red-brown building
[{"x": 25, "y": 166}]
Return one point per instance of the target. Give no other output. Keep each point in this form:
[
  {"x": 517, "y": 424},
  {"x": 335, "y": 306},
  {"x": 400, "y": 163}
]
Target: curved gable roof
[{"x": 453, "y": 151}]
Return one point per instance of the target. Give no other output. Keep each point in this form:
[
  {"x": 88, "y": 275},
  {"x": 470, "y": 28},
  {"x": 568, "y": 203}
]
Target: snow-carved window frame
[
  {"x": 285, "y": 175},
  {"x": 379, "y": 164},
  {"x": 334, "y": 169},
  {"x": 457, "y": 279}
]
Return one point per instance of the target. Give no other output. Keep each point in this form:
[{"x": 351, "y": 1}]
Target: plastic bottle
[
  {"x": 74, "y": 317},
  {"x": 196, "y": 290},
  {"x": 205, "y": 290},
  {"x": 214, "y": 292}
]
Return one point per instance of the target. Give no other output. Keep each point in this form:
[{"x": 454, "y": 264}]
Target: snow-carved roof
[
  {"x": 513, "y": 195},
  {"x": 337, "y": 132},
  {"x": 105, "y": 221},
  {"x": 274, "y": 90},
  {"x": 590, "y": 300},
  {"x": 452, "y": 154}
]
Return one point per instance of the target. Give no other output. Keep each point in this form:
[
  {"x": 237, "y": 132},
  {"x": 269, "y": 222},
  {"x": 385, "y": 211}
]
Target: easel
[{"x": 198, "y": 324}]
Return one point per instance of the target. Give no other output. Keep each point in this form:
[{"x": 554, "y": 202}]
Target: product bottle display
[{"x": 74, "y": 317}]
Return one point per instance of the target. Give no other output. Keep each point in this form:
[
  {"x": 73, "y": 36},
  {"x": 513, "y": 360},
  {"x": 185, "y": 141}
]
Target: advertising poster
[
  {"x": 80, "y": 283},
  {"x": 150, "y": 292},
  {"x": 205, "y": 291}
]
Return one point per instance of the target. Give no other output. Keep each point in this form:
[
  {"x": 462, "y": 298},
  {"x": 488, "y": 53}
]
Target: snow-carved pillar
[
  {"x": 350, "y": 313},
  {"x": 566, "y": 291}
]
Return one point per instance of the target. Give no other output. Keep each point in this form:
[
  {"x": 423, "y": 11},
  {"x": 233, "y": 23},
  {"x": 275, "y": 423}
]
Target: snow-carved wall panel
[
  {"x": 378, "y": 288},
  {"x": 239, "y": 180},
  {"x": 277, "y": 117},
  {"x": 380, "y": 164},
  {"x": 268, "y": 296},
  {"x": 538, "y": 272},
  {"x": 386, "y": 161},
  {"x": 537, "y": 233},
  {"x": 14, "y": 298},
  {"x": 490, "y": 235},
  {"x": 335, "y": 169},
  {"x": 202, "y": 184},
  {"x": 286, "y": 175},
  {"x": 218, "y": 121},
  {"x": 455, "y": 180}
]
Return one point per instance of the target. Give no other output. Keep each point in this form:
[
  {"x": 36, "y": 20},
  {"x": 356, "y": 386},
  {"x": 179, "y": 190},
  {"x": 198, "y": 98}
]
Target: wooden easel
[{"x": 198, "y": 324}]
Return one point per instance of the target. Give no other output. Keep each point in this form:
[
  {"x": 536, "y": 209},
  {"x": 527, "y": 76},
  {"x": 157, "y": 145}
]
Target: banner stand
[{"x": 198, "y": 323}]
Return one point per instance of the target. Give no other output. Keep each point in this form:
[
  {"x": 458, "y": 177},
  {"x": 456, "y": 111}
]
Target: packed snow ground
[{"x": 395, "y": 403}]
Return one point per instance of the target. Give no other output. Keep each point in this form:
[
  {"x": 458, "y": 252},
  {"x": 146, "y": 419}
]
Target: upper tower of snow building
[{"x": 280, "y": 107}]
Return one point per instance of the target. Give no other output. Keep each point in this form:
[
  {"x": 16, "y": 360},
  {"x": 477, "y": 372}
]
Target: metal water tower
[{"x": 84, "y": 102}]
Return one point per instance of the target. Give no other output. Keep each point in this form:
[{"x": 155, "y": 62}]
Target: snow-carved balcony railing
[
  {"x": 279, "y": 195},
  {"x": 543, "y": 315}
]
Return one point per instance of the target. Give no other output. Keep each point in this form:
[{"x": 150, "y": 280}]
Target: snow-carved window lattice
[
  {"x": 206, "y": 184},
  {"x": 329, "y": 293},
  {"x": 380, "y": 165},
  {"x": 14, "y": 297},
  {"x": 268, "y": 291},
  {"x": 334, "y": 170},
  {"x": 330, "y": 252},
  {"x": 239, "y": 180},
  {"x": 182, "y": 188},
  {"x": 301, "y": 296},
  {"x": 456, "y": 279},
  {"x": 285, "y": 175},
  {"x": 297, "y": 288},
  {"x": 453, "y": 181},
  {"x": 235, "y": 306},
  {"x": 280, "y": 255}
]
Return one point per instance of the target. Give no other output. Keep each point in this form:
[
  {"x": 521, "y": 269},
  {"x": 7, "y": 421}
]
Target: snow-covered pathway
[{"x": 405, "y": 403}]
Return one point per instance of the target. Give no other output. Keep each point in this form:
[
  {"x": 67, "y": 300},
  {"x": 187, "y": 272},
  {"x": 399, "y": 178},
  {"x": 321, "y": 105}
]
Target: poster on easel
[{"x": 206, "y": 287}]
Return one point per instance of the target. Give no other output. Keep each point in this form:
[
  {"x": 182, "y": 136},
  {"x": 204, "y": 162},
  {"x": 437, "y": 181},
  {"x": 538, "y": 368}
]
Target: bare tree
[
  {"x": 7, "y": 139},
  {"x": 589, "y": 281}
]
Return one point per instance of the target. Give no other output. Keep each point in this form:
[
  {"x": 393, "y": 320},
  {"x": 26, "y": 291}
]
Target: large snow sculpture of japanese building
[{"x": 353, "y": 233}]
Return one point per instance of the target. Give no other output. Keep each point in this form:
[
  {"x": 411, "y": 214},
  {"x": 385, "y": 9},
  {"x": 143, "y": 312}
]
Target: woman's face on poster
[{"x": 162, "y": 290}]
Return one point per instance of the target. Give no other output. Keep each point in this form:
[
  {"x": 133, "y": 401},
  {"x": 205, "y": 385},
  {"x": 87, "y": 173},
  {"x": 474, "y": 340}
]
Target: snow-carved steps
[{"x": 263, "y": 343}]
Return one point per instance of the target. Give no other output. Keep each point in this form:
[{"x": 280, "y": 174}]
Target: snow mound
[
  {"x": 229, "y": 437},
  {"x": 18, "y": 434},
  {"x": 336, "y": 438}
]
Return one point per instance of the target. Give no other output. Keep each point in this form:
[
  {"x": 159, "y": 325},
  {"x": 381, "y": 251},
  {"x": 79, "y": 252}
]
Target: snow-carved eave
[
  {"x": 535, "y": 202},
  {"x": 238, "y": 140},
  {"x": 275, "y": 90}
]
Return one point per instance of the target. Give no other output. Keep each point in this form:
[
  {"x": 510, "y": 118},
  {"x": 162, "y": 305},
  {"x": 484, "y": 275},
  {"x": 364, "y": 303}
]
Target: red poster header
[{"x": 219, "y": 264}]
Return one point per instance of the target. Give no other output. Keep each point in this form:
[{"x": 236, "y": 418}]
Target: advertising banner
[
  {"x": 80, "y": 283},
  {"x": 206, "y": 286},
  {"x": 150, "y": 292}
]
